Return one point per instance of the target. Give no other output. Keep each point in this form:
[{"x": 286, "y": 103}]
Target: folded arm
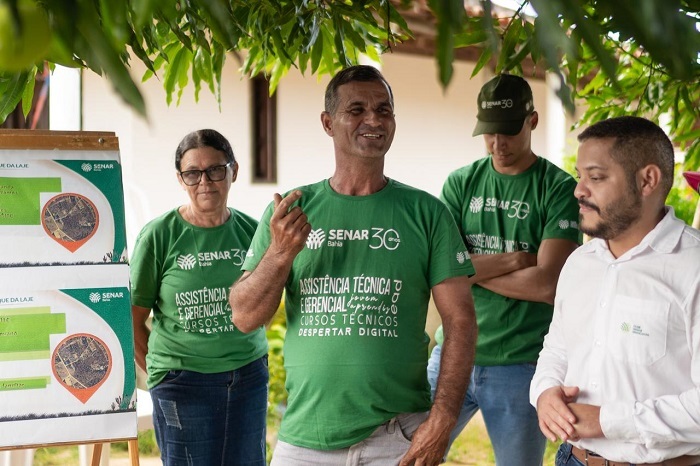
[{"x": 535, "y": 282}]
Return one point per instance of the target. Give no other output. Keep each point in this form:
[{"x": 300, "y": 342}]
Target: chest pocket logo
[{"x": 638, "y": 330}]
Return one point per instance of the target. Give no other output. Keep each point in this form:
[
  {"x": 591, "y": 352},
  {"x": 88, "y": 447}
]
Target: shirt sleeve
[
  {"x": 562, "y": 212},
  {"x": 144, "y": 271},
  {"x": 260, "y": 241},
  {"x": 552, "y": 363},
  {"x": 449, "y": 255},
  {"x": 665, "y": 420},
  {"x": 453, "y": 197}
]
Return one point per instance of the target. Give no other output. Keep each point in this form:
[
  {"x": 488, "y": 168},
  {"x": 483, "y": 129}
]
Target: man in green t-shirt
[
  {"x": 358, "y": 256},
  {"x": 519, "y": 219}
]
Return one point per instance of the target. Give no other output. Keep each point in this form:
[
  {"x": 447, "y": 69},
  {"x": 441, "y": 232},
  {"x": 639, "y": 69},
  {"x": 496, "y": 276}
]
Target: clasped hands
[{"x": 561, "y": 417}]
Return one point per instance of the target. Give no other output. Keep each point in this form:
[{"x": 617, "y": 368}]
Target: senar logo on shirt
[
  {"x": 476, "y": 204},
  {"x": 186, "y": 262},
  {"x": 564, "y": 224},
  {"x": 462, "y": 256},
  {"x": 315, "y": 239},
  {"x": 376, "y": 238},
  {"x": 207, "y": 258},
  {"x": 513, "y": 208}
]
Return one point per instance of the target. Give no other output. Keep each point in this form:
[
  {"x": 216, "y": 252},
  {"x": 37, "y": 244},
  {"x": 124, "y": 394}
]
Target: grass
[
  {"x": 56, "y": 456},
  {"x": 472, "y": 448},
  {"x": 69, "y": 455}
]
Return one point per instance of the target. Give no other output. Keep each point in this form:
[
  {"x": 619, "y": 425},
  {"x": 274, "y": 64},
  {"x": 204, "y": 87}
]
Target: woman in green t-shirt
[{"x": 208, "y": 380}]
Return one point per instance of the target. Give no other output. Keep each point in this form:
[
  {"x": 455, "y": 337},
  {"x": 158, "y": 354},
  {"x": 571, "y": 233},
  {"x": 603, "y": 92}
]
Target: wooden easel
[
  {"x": 133, "y": 445},
  {"x": 45, "y": 139}
]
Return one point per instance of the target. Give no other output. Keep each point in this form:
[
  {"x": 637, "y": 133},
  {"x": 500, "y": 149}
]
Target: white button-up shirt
[{"x": 626, "y": 331}]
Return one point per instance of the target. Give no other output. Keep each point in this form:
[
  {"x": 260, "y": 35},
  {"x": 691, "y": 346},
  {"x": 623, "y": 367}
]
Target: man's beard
[{"x": 614, "y": 219}]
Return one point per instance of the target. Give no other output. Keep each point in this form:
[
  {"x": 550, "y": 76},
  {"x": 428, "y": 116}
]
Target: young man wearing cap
[{"x": 518, "y": 217}]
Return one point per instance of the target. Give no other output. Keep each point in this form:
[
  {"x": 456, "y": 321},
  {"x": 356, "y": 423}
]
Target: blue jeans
[
  {"x": 212, "y": 419},
  {"x": 564, "y": 456},
  {"x": 502, "y": 395}
]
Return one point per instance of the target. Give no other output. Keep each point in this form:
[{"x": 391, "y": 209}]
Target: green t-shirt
[
  {"x": 499, "y": 213},
  {"x": 184, "y": 273},
  {"x": 356, "y": 301}
]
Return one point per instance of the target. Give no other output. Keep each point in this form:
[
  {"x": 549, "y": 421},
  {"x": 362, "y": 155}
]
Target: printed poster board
[
  {"x": 66, "y": 355},
  {"x": 67, "y": 371},
  {"x": 60, "y": 205}
]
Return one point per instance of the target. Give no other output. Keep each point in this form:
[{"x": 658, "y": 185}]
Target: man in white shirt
[{"x": 618, "y": 379}]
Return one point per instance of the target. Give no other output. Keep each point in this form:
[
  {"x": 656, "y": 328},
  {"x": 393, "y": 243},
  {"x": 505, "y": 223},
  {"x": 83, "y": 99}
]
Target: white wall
[{"x": 433, "y": 136}]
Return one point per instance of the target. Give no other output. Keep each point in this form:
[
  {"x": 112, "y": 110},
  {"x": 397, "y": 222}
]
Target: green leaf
[
  {"x": 175, "y": 28},
  {"x": 564, "y": 94},
  {"x": 196, "y": 81},
  {"x": 142, "y": 55},
  {"x": 113, "y": 15},
  {"x": 143, "y": 12},
  {"x": 692, "y": 157},
  {"x": 303, "y": 61},
  {"x": 222, "y": 22},
  {"x": 28, "y": 93},
  {"x": 105, "y": 58},
  {"x": 549, "y": 36},
  {"x": 176, "y": 74},
  {"x": 449, "y": 22},
  {"x": 689, "y": 136},
  {"x": 394, "y": 18},
  {"x": 484, "y": 58},
  {"x": 355, "y": 38},
  {"x": 591, "y": 34},
  {"x": 217, "y": 65},
  {"x": 685, "y": 95},
  {"x": 202, "y": 67},
  {"x": 277, "y": 72},
  {"x": 468, "y": 38},
  {"x": 339, "y": 40},
  {"x": 486, "y": 23},
  {"x": 518, "y": 58},
  {"x": 445, "y": 55},
  {"x": 316, "y": 53},
  {"x": 280, "y": 48},
  {"x": 509, "y": 42},
  {"x": 373, "y": 53},
  {"x": 11, "y": 90},
  {"x": 329, "y": 62},
  {"x": 314, "y": 34}
]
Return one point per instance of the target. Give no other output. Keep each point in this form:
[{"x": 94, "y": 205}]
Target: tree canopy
[{"x": 612, "y": 57}]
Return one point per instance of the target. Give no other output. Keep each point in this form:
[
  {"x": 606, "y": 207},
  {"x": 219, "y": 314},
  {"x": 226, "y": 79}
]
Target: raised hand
[{"x": 289, "y": 226}]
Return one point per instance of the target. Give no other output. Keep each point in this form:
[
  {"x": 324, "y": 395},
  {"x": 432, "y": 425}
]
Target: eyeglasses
[{"x": 215, "y": 173}]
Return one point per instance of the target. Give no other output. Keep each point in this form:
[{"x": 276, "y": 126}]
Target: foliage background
[{"x": 611, "y": 57}]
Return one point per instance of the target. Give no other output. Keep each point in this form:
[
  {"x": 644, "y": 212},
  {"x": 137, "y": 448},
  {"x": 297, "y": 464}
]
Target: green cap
[{"x": 504, "y": 103}]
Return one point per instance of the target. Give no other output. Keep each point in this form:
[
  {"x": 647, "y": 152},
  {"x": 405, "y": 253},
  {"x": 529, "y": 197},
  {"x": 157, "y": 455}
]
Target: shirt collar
[{"x": 662, "y": 239}]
